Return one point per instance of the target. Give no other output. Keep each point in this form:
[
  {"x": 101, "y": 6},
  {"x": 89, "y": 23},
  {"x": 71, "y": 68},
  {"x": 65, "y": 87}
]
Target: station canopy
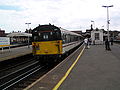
[{"x": 19, "y": 34}]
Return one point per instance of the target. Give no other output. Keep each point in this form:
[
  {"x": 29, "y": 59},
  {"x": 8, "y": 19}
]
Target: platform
[
  {"x": 96, "y": 69},
  {"x": 14, "y": 52}
]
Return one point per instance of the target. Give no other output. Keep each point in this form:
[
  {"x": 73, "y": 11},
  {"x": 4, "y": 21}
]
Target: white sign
[{"x": 4, "y": 41}]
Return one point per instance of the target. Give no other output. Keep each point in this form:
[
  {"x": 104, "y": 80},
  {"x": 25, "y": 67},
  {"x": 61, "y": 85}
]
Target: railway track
[
  {"x": 13, "y": 78},
  {"x": 10, "y": 69},
  {"x": 4, "y": 65},
  {"x": 23, "y": 74},
  {"x": 15, "y": 64}
]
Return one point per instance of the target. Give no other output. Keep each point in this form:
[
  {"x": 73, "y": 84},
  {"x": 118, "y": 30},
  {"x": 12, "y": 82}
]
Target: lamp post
[
  {"x": 28, "y": 35},
  {"x": 93, "y": 23},
  {"x": 108, "y": 21}
]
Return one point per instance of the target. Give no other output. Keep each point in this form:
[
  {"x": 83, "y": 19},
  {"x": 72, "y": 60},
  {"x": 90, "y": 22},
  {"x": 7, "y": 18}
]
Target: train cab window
[
  {"x": 47, "y": 36},
  {"x": 35, "y": 38}
]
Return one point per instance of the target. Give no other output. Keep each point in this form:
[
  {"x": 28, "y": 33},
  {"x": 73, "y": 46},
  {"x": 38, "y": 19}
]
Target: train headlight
[{"x": 46, "y": 51}]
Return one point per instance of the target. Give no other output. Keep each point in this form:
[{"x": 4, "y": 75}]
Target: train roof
[
  {"x": 69, "y": 32},
  {"x": 53, "y": 27},
  {"x": 42, "y": 27}
]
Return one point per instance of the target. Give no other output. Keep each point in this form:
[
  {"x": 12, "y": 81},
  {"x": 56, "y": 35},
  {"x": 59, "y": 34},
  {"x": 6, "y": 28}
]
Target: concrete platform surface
[
  {"x": 97, "y": 69},
  {"x": 14, "y": 52}
]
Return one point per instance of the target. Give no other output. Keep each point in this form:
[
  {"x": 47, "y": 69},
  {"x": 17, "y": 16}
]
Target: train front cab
[{"x": 47, "y": 45}]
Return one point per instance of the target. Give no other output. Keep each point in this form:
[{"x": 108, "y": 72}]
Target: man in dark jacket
[{"x": 107, "y": 45}]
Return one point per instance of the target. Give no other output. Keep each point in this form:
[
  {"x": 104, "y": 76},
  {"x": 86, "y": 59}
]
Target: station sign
[{"x": 4, "y": 41}]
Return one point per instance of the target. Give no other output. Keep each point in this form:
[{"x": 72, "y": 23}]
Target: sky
[{"x": 69, "y": 14}]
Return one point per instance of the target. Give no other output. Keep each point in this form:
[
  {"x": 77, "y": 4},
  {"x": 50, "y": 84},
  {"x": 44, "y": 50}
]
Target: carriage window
[
  {"x": 51, "y": 33},
  {"x": 39, "y": 34},
  {"x": 55, "y": 29}
]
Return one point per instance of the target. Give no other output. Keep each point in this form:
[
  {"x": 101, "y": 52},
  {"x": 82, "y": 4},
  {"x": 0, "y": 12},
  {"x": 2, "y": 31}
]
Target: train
[{"x": 52, "y": 41}]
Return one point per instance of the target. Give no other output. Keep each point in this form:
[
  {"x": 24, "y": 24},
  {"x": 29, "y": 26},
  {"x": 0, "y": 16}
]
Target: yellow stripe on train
[{"x": 47, "y": 47}]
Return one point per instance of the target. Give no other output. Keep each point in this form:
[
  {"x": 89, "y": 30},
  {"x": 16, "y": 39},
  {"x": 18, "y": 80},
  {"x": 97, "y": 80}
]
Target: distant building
[
  {"x": 2, "y": 33},
  {"x": 97, "y": 36},
  {"x": 114, "y": 34},
  {"x": 87, "y": 33},
  {"x": 19, "y": 38},
  {"x": 28, "y": 31},
  {"x": 78, "y": 32}
]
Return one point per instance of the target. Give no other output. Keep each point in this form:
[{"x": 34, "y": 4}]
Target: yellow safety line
[{"x": 68, "y": 72}]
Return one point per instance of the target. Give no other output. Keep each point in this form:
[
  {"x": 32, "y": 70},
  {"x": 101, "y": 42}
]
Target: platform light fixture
[
  {"x": 28, "y": 35},
  {"x": 93, "y": 23},
  {"x": 108, "y": 21}
]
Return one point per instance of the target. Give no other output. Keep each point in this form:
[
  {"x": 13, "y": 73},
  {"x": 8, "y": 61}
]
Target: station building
[
  {"x": 19, "y": 38},
  {"x": 97, "y": 36}
]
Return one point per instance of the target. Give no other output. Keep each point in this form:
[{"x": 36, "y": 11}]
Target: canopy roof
[{"x": 19, "y": 34}]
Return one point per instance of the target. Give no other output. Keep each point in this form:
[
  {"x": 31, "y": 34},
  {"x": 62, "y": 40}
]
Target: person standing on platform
[
  {"x": 107, "y": 45},
  {"x": 111, "y": 40},
  {"x": 89, "y": 41},
  {"x": 86, "y": 42}
]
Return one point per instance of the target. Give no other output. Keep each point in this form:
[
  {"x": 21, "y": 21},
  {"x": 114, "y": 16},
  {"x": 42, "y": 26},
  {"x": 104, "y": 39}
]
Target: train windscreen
[{"x": 46, "y": 35}]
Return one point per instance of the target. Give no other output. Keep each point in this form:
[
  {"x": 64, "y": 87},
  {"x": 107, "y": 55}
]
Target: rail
[{"x": 13, "y": 78}]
